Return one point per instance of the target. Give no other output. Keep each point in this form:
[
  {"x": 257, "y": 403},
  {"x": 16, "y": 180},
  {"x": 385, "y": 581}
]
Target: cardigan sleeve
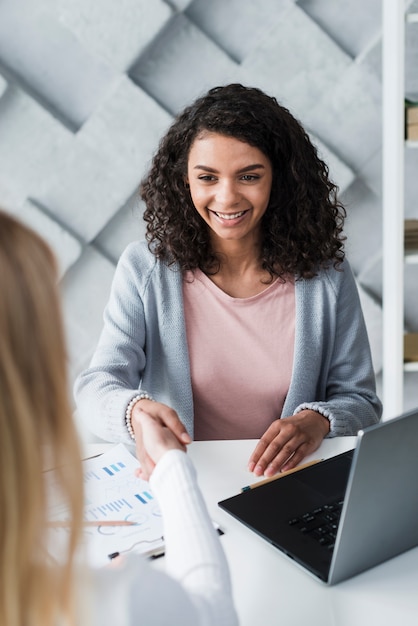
[
  {"x": 104, "y": 390},
  {"x": 333, "y": 370}
]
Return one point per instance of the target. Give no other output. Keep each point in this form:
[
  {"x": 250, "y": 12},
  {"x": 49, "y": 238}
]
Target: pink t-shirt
[{"x": 241, "y": 356}]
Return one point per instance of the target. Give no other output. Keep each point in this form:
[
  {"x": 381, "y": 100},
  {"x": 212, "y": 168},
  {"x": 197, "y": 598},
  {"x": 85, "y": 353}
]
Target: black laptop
[{"x": 346, "y": 514}]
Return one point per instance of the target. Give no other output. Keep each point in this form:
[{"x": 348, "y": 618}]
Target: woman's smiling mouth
[{"x": 229, "y": 216}]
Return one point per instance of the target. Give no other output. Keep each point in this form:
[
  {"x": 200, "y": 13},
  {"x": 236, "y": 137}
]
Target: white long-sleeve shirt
[{"x": 195, "y": 590}]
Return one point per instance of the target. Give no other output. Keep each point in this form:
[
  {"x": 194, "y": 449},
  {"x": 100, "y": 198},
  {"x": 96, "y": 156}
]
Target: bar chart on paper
[{"x": 114, "y": 493}]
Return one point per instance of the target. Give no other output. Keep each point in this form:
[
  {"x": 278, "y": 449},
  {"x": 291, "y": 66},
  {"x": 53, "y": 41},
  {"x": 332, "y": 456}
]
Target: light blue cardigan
[{"x": 143, "y": 346}]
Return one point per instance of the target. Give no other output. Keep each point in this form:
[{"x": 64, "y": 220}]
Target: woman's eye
[
  {"x": 207, "y": 177},
  {"x": 249, "y": 177}
]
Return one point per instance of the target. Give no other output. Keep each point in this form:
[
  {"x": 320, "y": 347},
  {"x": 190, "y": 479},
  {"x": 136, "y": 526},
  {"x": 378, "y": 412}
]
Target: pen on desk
[
  {"x": 64, "y": 524},
  {"x": 281, "y": 474}
]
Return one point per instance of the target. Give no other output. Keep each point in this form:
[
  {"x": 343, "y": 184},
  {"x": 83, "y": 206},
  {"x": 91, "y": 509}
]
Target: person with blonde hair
[{"x": 36, "y": 428}]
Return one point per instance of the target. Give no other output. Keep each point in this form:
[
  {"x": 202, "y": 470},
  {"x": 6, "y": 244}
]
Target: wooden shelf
[
  {"x": 411, "y": 240},
  {"x": 411, "y": 257},
  {"x": 410, "y": 343},
  {"x": 395, "y": 256},
  {"x": 411, "y": 367}
]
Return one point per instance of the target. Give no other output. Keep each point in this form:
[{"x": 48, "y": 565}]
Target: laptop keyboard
[{"x": 321, "y": 523}]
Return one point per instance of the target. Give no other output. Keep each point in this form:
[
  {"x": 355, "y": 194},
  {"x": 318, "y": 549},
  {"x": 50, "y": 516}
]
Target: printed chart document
[{"x": 114, "y": 493}]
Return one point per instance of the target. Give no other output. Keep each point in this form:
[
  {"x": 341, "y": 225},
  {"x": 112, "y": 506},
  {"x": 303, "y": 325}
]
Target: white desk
[{"x": 271, "y": 590}]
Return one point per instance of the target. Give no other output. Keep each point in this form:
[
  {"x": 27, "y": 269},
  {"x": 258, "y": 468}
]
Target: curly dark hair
[{"x": 302, "y": 226}]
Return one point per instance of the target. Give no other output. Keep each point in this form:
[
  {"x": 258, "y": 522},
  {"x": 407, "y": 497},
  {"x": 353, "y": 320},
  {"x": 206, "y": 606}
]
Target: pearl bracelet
[{"x": 128, "y": 414}]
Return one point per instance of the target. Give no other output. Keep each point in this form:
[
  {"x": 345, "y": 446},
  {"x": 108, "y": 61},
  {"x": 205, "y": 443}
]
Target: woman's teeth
[{"x": 230, "y": 216}]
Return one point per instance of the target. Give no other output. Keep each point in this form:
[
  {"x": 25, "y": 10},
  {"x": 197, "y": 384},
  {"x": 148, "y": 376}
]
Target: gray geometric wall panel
[{"x": 87, "y": 88}]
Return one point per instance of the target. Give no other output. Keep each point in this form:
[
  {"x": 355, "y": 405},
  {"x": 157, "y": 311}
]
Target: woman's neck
[
  {"x": 238, "y": 255},
  {"x": 240, "y": 274}
]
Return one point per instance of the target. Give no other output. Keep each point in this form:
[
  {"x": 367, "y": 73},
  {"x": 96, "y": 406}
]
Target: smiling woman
[
  {"x": 239, "y": 317},
  {"x": 230, "y": 184}
]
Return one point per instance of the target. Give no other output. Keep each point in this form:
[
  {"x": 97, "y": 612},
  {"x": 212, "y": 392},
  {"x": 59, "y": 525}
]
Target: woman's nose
[{"x": 227, "y": 193}]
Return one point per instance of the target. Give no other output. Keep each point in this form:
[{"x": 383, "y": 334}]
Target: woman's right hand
[{"x": 157, "y": 429}]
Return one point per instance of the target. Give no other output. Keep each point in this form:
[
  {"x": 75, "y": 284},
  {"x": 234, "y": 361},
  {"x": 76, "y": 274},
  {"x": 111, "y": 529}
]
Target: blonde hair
[{"x": 35, "y": 423}]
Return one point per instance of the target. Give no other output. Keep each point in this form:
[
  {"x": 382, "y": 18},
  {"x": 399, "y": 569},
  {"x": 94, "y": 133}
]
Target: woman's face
[{"x": 230, "y": 184}]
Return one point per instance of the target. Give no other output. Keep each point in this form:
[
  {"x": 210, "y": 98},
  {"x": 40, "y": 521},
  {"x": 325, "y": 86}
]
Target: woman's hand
[
  {"x": 287, "y": 441},
  {"x": 157, "y": 429}
]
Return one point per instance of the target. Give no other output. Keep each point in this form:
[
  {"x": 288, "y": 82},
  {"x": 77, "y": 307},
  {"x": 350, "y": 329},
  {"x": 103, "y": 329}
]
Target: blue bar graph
[
  {"x": 109, "y": 509},
  {"x": 144, "y": 497},
  {"x": 116, "y": 467},
  {"x": 89, "y": 475}
]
